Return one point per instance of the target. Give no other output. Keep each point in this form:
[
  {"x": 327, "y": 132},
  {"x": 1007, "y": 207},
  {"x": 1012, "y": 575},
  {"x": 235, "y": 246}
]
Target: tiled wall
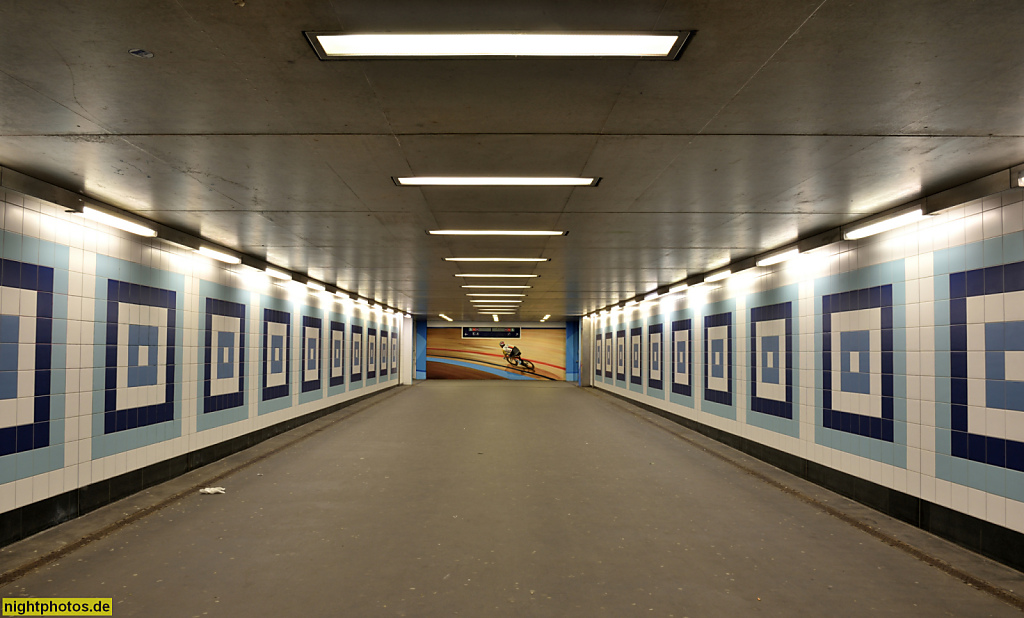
[
  {"x": 898, "y": 359},
  {"x": 117, "y": 352}
]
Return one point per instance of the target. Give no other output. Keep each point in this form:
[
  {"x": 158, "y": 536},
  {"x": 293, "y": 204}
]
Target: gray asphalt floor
[{"x": 463, "y": 498}]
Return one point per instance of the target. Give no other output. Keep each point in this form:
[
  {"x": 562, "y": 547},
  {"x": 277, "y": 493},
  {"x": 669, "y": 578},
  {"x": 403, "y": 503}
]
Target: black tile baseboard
[
  {"x": 25, "y": 521},
  {"x": 988, "y": 539}
]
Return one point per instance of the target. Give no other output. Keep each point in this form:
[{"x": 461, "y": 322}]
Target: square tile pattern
[
  {"x": 277, "y": 345},
  {"x": 337, "y": 351},
  {"x": 655, "y": 350},
  {"x": 718, "y": 358},
  {"x": 857, "y": 362},
  {"x": 26, "y": 338},
  {"x": 636, "y": 355},
  {"x": 771, "y": 360},
  {"x": 987, "y": 365},
  {"x": 224, "y": 356},
  {"x": 140, "y": 356},
  {"x": 312, "y": 352},
  {"x": 682, "y": 357}
]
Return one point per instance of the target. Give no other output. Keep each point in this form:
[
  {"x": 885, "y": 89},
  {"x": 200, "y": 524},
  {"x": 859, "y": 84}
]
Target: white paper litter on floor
[{"x": 212, "y": 490}]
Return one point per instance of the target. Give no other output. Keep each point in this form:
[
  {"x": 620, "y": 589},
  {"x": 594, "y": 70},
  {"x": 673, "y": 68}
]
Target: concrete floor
[{"x": 501, "y": 499}]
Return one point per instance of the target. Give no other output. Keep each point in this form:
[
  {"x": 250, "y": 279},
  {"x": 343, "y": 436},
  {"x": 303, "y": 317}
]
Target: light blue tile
[
  {"x": 29, "y": 250},
  {"x": 1014, "y": 485},
  {"x": 956, "y": 259},
  {"x": 943, "y": 441},
  {"x": 975, "y": 256},
  {"x": 995, "y": 480},
  {"x": 942, "y": 287},
  {"x": 1013, "y": 248},
  {"x": 943, "y": 466},
  {"x": 993, "y": 248},
  {"x": 959, "y": 473},
  {"x": 995, "y": 365},
  {"x": 976, "y": 475},
  {"x": 12, "y": 247},
  {"x": 1014, "y": 336},
  {"x": 940, "y": 262}
]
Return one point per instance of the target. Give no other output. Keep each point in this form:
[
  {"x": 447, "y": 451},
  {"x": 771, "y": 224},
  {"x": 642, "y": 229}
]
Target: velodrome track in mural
[{"x": 449, "y": 356}]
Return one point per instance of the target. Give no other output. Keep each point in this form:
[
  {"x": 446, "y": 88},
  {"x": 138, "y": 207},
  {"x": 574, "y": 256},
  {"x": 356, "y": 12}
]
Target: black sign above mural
[{"x": 490, "y": 332}]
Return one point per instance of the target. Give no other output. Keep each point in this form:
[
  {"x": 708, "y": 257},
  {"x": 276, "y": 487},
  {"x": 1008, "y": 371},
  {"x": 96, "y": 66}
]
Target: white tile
[
  {"x": 1015, "y": 515},
  {"x": 995, "y": 511},
  {"x": 977, "y": 502}
]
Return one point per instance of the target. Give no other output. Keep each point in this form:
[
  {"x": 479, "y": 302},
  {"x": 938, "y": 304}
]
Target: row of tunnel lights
[
  {"x": 279, "y": 276},
  {"x": 705, "y": 283}
]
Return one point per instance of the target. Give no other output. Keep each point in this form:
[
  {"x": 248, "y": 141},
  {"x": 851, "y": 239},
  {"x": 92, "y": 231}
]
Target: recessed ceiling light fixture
[
  {"x": 677, "y": 288},
  {"x": 277, "y": 274},
  {"x": 885, "y": 225},
  {"x": 722, "y": 274},
  {"x": 493, "y": 301},
  {"x": 498, "y": 232},
  {"x": 498, "y": 276},
  {"x": 495, "y": 316},
  {"x": 316, "y": 287},
  {"x": 778, "y": 258},
  {"x": 114, "y": 221},
  {"x": 657, "y": 45},
  {"x": 499, "y": 287},
  {"x": 497, "y": 295},
  {"x": 496, "y": 259},
  {"x": 445, "y": 317},
  {"x": 495, "y": 181},
  {"x": 219, "y": 255}
]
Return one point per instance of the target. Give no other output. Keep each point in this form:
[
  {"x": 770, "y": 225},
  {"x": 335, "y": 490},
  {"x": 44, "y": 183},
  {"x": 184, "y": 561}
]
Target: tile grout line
[{"x": 975, "y": 582}]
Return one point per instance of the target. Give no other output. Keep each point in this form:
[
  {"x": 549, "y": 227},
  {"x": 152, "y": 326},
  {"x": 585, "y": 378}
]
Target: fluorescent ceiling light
[
  {"x": 445, "y": 317},
  {"x": 678, "y": 288},
  {"x": 335, "y": 45},
  {"x": 499, "y": 287},
  {"x": 497, "y": 295},
  {"x": 632, "y": 303},
  {"x": 114, "y": 221},
  {"x": 778, "y": 258},
  {"x": 652, "y": 295},
  {"x": 343, "y": 295},
  {"x": 277, "y": 274},
  {"x": 545, "y": 317},
  {"x": 884, "y": 226},
  {"x": 219, "y": 255},
  {"x": 722, "y": 274},
  {"x": 497, "y": 232},
  {"x": 495, "y": 316},
  {"x": 313, "y": 285},
  {"x": 494, "y": 181},
  {"x": 496, "y": 259},
  {"x": 493, "y": 301},
  {"x": 486, "y": 275}
]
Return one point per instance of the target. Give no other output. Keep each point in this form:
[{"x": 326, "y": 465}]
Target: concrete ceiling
[{"x": 782, "y": 118}]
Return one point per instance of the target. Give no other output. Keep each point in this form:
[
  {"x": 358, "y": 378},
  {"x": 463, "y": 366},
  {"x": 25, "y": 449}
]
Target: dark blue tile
[
  {"x": 959, "y": 443},
  {"x": 994, "y": 280},
  {"x": 976, "y": 447},
  {"x": 958, "y": 285},
  {"x": 975, "y": 282},
  {"x": 995, "y": 452},
  {"x": 887, "y": 295},
  {"x": 25, "y": 438},
  {"x": 8, "y": 440},
  {"x": 1013, "y": 277},
  {"x": 958, "y": 418},
  {"x": 40, "y": 435},
  {"x": 1015, "y": 455},
  {"x": 958, "y": 337}
]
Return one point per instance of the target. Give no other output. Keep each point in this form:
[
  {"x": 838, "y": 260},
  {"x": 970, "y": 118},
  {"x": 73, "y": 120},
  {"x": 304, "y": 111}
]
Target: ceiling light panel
[
  {"x": 496, "y": 276},
  {"x": 499, "y": 287},
  {"x": 495, "y": 259},
  {"x": 495, "y": 181},
  {"x": 498, "y": 232},
  {"x": 657, "y": 45}
]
